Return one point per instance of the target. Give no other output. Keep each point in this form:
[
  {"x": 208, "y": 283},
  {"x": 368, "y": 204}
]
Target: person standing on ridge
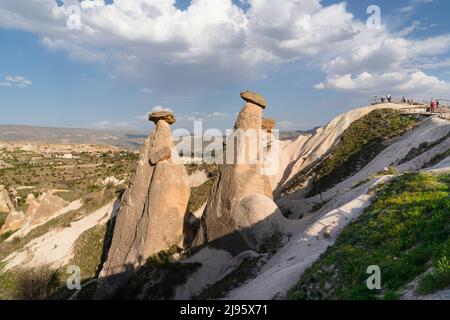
[
  {"x": 389, "y": 98},
  {"x": 432, "y": 105}
]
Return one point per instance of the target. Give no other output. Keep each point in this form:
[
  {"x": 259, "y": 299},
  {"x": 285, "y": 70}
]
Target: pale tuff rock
[
  {"x": 13, "y": 222},
  {"x": 14, "y": 219},
  {"x": 268, "y": 124},
  {"x": 112, "y": 181},
  {"x": 38, "y": 211},
  {"x": 49, "y": 204},
  {"x": 254, "y": 97},
  {"x": 241, "y": 201},
  {"x": 152, "y": 213},
  {"x": 6, "y": 205}
]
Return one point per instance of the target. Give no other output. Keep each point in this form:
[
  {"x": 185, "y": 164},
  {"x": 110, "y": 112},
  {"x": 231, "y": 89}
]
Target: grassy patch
[
  {"x": 200, "y": 195},
  {"x": 7, "y": 285},
  {"x": 88, "y": 251},
  {"x": 69, "y": 195},
  {"x": 361, "y": 143},
  {"x": 403, "y": 231},
  {"x": 439, "y": 278},
  {"x": 218, "y": 290}
]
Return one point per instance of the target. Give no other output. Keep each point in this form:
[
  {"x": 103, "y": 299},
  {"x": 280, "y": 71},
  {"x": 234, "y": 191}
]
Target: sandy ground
[{"x": 55, "y": 247}]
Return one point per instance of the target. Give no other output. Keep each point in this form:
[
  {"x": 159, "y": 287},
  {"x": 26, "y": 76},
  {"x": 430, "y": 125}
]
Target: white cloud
[
  {"x": 160, "y": 108},
  {"x": 217, "y": 115},
  {"x": 415, "y": 84},
  {"x": 146, "y": 90},
  {"x": 212, "y": 42},
  {"x": 15, "y": 81}
]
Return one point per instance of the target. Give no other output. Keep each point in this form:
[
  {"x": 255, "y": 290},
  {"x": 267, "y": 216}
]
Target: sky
[{"x": 105, "y": 65}]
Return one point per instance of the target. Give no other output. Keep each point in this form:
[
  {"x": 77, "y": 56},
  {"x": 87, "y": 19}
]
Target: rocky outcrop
[
  {"x": 268, "y": 124},
  {"x": 49, "y": 205},
  {"x": 152, "y": 213},
  {"x": 240, "y": 211},
  {"x": 6, "y": 206},
  {"x": 13, "y": 222},
  {"x": 14, "y": 219}
]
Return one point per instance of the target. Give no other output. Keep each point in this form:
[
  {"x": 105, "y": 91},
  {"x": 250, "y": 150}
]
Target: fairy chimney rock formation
[
  {"x": 152, "y": 213},
  {"x": 239, "y": 210}
]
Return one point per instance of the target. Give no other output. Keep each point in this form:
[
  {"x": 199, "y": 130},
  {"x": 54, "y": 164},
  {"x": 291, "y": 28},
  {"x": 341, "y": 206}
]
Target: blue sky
[{"x": 311, "y": 59}]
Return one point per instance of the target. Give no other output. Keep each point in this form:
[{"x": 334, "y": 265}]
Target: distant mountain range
[
  {"x": 117, "y": 138},
  {"x": 121, "y": 139}
]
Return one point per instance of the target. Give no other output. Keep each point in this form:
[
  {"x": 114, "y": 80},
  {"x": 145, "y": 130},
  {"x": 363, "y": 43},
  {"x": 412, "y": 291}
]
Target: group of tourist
[
  {"x": 387, "y": 98},
  {"x": 434, "y": 104}
]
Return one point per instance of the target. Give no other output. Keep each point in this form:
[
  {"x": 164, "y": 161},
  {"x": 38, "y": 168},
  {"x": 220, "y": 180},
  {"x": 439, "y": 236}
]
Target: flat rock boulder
[
  {"x": 156, "y": 116},
  {"x": 254, "y": 97},
  {"x": 153, "y": 210}
]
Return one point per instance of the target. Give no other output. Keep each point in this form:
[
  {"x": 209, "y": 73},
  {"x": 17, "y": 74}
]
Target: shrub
[{"x": 36, "y": 284}]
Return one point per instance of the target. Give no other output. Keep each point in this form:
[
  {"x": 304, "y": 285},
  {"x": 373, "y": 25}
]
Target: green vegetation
[
  {"x": 68, "y": 195},
  {"x": 218, "y": 290},
  {"x": 88, "y": 251},
  {"x": 76, "y": 174},
  {"x": 157, "y": 278},
  {"x": 360, "y": 144},
  {"x": 199, "y": 195},
  {"x": 29, "y": 284},
  {"x": 406, "y": 231},
  {"x": 36, "y": 284}
]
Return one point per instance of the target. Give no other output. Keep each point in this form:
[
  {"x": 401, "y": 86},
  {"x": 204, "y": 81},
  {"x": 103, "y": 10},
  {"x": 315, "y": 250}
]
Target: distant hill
[
  {"x": 122, "y": 139},
  {"x": 118, "y": 138}
]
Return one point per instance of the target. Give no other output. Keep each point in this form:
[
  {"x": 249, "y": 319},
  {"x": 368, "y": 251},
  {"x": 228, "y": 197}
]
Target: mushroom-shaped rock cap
[
  {"x": 253, "y": 97},
  {"x": 167, "y": 116}
]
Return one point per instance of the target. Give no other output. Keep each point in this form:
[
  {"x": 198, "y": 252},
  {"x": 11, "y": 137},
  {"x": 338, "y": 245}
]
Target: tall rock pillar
[
  {"x": 152, "y": 213},
  {"x": 238, "y": 214}
]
